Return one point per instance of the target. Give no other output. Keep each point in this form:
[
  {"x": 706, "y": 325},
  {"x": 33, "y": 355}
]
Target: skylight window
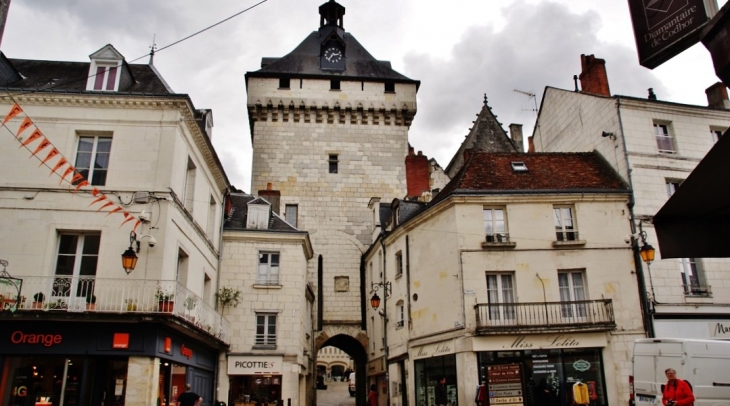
[{"x": 518, "y": 166}]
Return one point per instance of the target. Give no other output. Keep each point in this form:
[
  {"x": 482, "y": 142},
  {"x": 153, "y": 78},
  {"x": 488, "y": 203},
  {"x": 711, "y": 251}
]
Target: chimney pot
[
  {"x": 593, "y": 78},
  {"x": 717, "y": 96},
  {"x": 269, "y": 186},
  {"x": 652, "y": 96}
]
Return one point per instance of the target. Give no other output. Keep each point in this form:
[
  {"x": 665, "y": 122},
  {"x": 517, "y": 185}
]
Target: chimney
[
  {"x": 530, "y": 145},
  {"x": 593, "y": 78},
  {"x": 271, "y": 196},
  {"x": 717, "y": 96},
  {"x": 417, "y": 173},
  {"x": 652, "y": 95},
  {"x": 515, "y": 132}
]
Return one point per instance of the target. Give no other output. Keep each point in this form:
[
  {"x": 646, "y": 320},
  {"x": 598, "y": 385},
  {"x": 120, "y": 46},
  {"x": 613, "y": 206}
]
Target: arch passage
[{"x": 355, "y": 348}]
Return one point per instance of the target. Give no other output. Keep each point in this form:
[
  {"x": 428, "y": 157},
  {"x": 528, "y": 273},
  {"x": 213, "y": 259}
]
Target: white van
[
  {"x": 705, "y": 364},
  {"x": 351, "y": 386}
]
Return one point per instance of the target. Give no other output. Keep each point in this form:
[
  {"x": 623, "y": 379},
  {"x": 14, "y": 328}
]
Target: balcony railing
[
  {"x": 90, "y": 294},
  {"x": 697, "y": 290},
  {"x": 583, "y": 315}
]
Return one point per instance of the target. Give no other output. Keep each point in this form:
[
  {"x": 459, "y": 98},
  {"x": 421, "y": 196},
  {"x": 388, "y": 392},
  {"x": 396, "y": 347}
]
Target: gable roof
[
  {"x": 237, "y": 218},
  {"x": 486, "y": 134},
  {"x": 304, "y": 61},
  {"x": 492, "y": 173}
]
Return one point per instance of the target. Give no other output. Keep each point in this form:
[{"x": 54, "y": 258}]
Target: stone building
[
  {"x": 329, "y": 127},
  {"x": 654, "y": 145},
  {"x": 117, "y": 152},
  {"x": 510, "y": 275}
]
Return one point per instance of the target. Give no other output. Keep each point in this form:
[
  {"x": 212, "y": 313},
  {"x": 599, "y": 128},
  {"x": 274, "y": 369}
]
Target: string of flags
[{"x": 62, "y": 166}]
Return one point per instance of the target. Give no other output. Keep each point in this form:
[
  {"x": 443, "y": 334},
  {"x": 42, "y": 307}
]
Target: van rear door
[{"x": 650, "y": 361}]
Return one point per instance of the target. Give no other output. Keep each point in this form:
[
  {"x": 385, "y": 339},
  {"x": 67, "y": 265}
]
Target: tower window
[
  {"x": 334, "y": 84},
  {"x": 389, "y": 87},
  {"x": 333, "y": 163},
  {"x": 284, "y": 83}
]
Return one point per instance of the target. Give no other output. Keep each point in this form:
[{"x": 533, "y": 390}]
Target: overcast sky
[{"x": 458, "y": 49}]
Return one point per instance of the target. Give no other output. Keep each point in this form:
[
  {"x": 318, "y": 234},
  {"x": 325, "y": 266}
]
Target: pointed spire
[{"x": 485, "y": 99}]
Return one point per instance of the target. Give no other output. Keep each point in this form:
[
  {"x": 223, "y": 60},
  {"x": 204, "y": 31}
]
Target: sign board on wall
[
  {"x": 433, "y": 350},
  {"x": 665, "y": 28},
  {"x": 251, "y": 365},
  {"x": 539, "y": 341}
]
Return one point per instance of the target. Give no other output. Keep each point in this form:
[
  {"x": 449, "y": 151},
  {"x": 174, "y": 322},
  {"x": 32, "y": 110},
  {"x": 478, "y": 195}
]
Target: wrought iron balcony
[
  {"x": 90, "y": 294},
  {"x": 697, "y": 290},
  {"x": 583, "y": 315}
]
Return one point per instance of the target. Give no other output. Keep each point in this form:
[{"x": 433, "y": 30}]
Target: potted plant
[
  {"x": 57, "y": 305},
  {"x": 165, "y": 304},
  {"x": 131, "y": 305},
  {"x": 38, "y": 300},
  {"x": 228, "y": 297},
  {"x": 190, "y": 303},
  {"x": 91, "y": 302},
  {"x": 20, "y": 302}
]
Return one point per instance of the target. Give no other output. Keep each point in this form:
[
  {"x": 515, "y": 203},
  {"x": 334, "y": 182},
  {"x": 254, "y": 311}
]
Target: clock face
[{"x": 333, "y": 54}]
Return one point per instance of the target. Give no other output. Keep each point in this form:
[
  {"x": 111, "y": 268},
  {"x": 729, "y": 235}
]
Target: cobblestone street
[{"x": 336, "y": 394}]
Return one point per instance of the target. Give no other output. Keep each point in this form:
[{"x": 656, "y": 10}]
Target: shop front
[
  {"x": 542, "y": 370},
  {"x": 255, "y": 380},
  {"x": 75, "y": 363},
  {"x": 431, "y": 363},
  {"x": 715, "y": 327}
]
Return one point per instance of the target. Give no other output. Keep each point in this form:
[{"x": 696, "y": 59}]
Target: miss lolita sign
[{"x": 664, "y": 28}]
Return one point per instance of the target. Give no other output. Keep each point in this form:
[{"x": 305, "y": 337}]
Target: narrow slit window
[
  {"x": 333, "y": 161},
  {"x": 334, "y": 84},
  {"x": 284, "y": 83}
]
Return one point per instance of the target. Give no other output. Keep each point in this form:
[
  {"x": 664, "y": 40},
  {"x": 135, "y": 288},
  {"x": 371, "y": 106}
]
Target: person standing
[
  {"x": 373, "y": 396},
  {"x": 189, "y": 398},
  {"x": 442, "y": 398},
  {"x": 676, "y": 391}
]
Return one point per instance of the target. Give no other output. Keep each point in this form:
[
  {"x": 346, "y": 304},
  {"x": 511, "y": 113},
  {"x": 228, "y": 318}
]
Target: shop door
[{"x": 202, "y": 384}]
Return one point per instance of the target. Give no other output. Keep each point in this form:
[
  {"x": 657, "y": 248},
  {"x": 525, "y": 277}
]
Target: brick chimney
[
  {"x": 717, "y": 96},
  {"x": 515, "y": 132},
  {"x": 417, "y": 173},
  {"x": 593, "y": 78},
  {"x": 530, "y": 145},
  {"x": 271, "y": 196}
]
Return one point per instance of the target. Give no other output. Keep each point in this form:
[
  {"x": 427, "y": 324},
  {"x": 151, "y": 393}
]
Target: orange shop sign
[{"x": 46, "y": 340}]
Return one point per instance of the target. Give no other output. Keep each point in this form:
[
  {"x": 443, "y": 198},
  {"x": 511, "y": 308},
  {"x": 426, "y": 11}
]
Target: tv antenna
[{"x": 534, "y": 100}]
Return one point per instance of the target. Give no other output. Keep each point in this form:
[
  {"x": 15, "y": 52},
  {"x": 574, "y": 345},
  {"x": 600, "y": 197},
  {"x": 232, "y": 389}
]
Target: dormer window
[
  {"x": 106, "y": 77},
  {"x": 519, "y": 166},
  {"x": 107, "y": 70}
]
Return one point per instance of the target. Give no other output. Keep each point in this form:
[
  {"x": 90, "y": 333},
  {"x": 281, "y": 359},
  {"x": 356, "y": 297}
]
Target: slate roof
[
  {"x": 492, "y": 173},
  {"x": 62, "y": 76},
  {"x": 237, "y": 219},
  {"x": 304, "y": 61}
]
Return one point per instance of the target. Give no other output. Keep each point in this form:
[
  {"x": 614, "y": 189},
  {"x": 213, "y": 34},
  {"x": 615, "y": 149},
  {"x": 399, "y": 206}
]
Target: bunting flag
[
  {"x": 50, "y": 155},
  {"x": 14, "y": 111},
  {"x": 77, "y": 179},
  {"x": 36, "y": 134},
  {"x": 24, "y": 126}
]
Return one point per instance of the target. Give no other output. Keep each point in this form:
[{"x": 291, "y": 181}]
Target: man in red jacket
[{"x": 676, "y": 391}]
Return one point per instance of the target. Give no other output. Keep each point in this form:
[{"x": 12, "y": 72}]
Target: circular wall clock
[{"x": 333, "y": 54}]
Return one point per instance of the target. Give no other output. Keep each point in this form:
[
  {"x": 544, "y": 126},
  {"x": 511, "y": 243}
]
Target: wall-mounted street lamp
[
  {"x": 375, "y": 300},
  {"x": 375, "y": 303},
  {"x": 129, "y": 257},
  {"x": 647, "y": 255}
]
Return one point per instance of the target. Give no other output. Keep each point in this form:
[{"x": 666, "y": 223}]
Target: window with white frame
[
  {"x": 664, "y": 138},
  {"x": 189, "y": 186},
  {"x": 400, "y": 314},
  {"x": 265, "y": 329},
  {"x": 92, "y": 158},
  {"x": 76, "y": 263},
  {"x": 399, "y": 263},
  {"x": 565, "y": 227},
  {"x": 501, "y": 296},
  {"x": 105, "y": 78},
  {"x": 672, "y": 186},
  {"x": 572, "y": 293},
  {"x": 291, "y": 211},
  {"x": 268, "y": 272},
  {"x": 692, "y": 279},
  {"x": 495, "y": 225}
]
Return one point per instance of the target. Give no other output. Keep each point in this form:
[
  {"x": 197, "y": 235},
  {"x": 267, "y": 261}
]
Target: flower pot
[
  {"x": 91, "y": 306},
  {"x": 37, "y": 305},
  {"x": 131, "y": 307},
  {"x": 165, "y": 306}
]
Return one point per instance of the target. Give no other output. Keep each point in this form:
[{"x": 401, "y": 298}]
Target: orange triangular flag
[
  {"x": 77, "y": 177},
  {"x": 36, "y": 134},
  {"x": 80, "y": 185},
  {"x": 136, "y": 225},
  {"x": 95, "y": 191},
  {"x": 127, "y": 220},
  {"x": 107, "y": 204},
  {"x": 98, "y": 199},
  {"x": 14, "y": 111},
  {"x": 114, "y": 210},
  {"x": 126, "y": 214},
  {"x": 50, "y": 155},
  {"x": 68, "y": 170},
  {"x": 24, "y": 126},
  {"x": 43, "y": 145},
  {"x": 61, "y": 162}
]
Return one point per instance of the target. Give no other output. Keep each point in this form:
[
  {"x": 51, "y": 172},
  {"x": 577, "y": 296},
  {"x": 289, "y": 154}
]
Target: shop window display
[
  {"x": 253, "y": 390},
  {"x": 428, "y": 373}
]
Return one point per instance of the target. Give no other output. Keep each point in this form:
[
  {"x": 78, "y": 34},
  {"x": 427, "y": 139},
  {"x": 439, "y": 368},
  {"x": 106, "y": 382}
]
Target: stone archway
[{"x": 354, "y": 342}]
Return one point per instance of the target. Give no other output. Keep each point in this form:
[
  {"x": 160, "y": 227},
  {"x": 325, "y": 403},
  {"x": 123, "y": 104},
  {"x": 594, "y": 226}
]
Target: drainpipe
[
  {"x": 643, "y": 297},
  {"x": 385, "y": 319}
]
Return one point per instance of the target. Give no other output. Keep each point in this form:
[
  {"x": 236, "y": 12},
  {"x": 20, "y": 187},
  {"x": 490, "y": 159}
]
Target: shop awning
[{"x": 695, "y": 221}]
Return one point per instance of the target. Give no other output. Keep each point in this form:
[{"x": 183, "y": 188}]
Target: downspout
[
  {"x": 408, "y": 280},
  {"x": 643, "y": 297},
  {"x": 227, "y": 192},
  {"x": 385, "y": 317}
]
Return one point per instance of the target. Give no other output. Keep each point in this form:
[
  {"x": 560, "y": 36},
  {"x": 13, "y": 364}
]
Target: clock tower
[{"x": 329, "y": 127}]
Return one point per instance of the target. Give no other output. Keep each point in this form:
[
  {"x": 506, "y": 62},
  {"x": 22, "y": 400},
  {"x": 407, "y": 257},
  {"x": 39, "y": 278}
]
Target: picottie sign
[{"x": 251, "y": 365}]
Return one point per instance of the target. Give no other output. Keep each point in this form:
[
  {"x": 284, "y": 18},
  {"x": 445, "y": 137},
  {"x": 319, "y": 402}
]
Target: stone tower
[{"x": 329, "y": 127}]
